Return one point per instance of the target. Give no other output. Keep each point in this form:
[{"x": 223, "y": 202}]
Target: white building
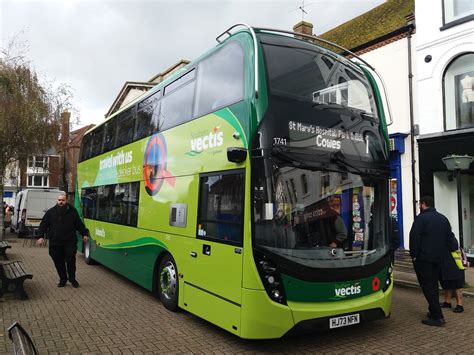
[
  {"x": 445, "y": 66},
  {"x": 11, "y": 183}
]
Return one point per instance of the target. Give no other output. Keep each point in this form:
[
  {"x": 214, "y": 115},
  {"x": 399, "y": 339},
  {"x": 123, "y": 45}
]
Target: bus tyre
[
  {"x": 168, "y": 283},
  {"x": 87, "y": 252}
]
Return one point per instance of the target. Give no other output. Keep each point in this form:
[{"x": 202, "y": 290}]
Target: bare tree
[{"x": 30, "y": 113}]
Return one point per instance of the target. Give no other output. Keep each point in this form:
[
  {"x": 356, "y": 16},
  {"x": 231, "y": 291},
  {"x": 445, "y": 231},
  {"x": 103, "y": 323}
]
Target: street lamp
[{"x": 456, "y": 164}]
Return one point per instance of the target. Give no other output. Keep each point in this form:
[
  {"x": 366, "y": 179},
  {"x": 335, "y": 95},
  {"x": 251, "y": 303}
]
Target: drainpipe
[{"x": 410, "y": 30}]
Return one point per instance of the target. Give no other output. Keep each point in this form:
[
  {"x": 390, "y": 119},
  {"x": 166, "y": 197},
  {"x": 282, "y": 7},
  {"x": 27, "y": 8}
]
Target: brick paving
[{"x": 109, "y": 314}]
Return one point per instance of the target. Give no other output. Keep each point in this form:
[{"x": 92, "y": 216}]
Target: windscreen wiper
[
  {"x": 336, "y": 157},
  {"x": 359, "y": 252}
]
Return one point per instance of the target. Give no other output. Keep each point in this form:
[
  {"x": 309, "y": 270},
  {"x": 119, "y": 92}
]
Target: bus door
[{"x": 214, "y": 277}]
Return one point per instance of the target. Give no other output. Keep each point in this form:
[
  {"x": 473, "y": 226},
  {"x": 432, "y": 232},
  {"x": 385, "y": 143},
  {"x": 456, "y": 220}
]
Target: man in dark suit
[
  {"x": 430, "y": 239},
  {"x": 61, "y": 223}
]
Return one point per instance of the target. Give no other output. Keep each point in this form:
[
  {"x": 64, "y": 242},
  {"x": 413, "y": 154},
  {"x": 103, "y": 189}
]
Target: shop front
[{"x": 452, "y": 189}]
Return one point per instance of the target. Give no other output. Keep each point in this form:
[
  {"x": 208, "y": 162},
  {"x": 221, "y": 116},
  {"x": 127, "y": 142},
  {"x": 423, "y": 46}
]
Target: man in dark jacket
[
  {"x": 430, "y": 239},
  {"x": 61, "y": 223}
]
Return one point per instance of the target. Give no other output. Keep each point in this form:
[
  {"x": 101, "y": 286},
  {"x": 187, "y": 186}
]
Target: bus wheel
[
  {"x": 87, "y": 253},
  {"x": 168, "y": 283}
]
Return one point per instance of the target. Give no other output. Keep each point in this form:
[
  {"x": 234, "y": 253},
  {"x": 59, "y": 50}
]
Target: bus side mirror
[{"x": 236, "y": 155}]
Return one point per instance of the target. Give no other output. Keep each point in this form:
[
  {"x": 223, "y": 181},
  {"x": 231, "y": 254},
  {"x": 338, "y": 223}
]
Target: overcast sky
[{"x": 95, "y": 46}]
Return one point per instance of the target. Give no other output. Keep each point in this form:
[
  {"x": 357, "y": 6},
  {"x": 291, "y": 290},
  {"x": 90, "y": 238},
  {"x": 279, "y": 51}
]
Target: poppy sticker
[{"x": 376, "y": 284}]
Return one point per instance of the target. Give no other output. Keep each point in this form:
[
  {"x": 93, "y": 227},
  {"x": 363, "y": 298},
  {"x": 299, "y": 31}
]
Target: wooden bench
[
  {"x": 3, "y": 249},
  {"x": 22, "y": 342},
  {"x": 13, "y": 274}
]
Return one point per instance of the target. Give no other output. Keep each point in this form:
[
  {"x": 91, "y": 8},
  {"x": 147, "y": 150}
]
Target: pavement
[
  {"x": 110, "y": 314},
  {"x": 405, "y": 275}
]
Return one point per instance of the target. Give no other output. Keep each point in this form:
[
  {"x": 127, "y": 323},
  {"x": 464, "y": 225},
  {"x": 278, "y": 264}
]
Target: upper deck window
[
  {"x": 299, "y": 71},
  {"x": 220, "y": 79},
  {"x": 177, "y": 102}
]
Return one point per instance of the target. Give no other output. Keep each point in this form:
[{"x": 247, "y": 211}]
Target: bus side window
[
  {"x": 109, "y": 135},
  {"x": 86, "y": 147},
  {"x": 89, "y": 202},
  {"x": 117, "y": 203},
  {"x": 105, "y": 196},
  {"x": 132, "y": 197},
  {"x": 220, "y": 212},
  {"x": 177, "y": 102},
  {"x": 97, "y": 140},
  {"x": 125, "y": 126},
  {"x": 147, "y": 119},
  {"x": 220, "y": 80}
]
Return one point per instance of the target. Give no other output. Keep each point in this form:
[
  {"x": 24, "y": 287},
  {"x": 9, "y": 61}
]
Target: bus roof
[{"x": 245, "y": 29}]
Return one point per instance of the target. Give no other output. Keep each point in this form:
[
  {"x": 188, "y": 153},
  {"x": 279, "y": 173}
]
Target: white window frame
[
  {"x": 449, "y": 90},
  {"x": 449, "y": 7},
  {"x": 30, "y": 180}
]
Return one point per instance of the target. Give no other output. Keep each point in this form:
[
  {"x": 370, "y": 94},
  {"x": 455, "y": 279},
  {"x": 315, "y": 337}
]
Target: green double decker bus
[{"x": 250, "y": 188}]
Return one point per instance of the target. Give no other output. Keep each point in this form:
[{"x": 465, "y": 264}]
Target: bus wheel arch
[{"x": 166, "y": 283}]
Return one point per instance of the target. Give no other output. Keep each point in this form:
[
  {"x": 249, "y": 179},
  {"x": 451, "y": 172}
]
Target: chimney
[
  {"x": 410, "y": 22},
  {"x": 303, "y": 27}
]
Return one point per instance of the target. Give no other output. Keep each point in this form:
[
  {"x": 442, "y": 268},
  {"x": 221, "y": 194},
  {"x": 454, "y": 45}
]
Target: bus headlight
[
  {"x": 388, "y": 281},
  {"x": 271, "y": 280}
]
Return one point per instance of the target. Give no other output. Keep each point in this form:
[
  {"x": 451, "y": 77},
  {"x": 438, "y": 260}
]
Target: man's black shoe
[
  {"x": 434, "y": 322},
  {"x": 62, "y": 283},
  {"x": 75, "y": 284}
]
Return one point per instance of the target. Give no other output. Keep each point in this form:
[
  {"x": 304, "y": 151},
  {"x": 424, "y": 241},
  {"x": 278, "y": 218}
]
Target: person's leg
[
  {"x": 57, "y": 254},
  {"x": 427, "y": 274},
  {"x": 459, "y": 297},
  {"x": 71, "y": 250},
  {"x": 447, "y": 298}
]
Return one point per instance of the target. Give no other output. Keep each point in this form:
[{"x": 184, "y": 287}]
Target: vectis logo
[
  {"x": 154, "y": 166},
  {"x": 348, "y": 291},
  {"x": 213, "y": 139}
]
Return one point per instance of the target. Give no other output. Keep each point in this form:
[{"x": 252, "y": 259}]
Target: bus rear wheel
[{"x": 168, "y": 286}]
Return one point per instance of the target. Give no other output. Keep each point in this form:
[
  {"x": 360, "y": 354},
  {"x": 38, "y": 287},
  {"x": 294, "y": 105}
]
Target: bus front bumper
[{"x": 264, "y": 319}]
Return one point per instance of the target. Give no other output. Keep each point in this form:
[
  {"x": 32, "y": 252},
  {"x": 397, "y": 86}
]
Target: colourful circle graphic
[{"x": 154, "y": 166}]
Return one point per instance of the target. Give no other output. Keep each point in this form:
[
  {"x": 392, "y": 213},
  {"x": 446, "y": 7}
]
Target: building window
[
  {"x": 304, "y": 183},
  {"x": 38, "y": 162},
  {"x": 455, "y": 10},
  {"x": 38, "y": 181},
  {"x": 459, "y": 93}
]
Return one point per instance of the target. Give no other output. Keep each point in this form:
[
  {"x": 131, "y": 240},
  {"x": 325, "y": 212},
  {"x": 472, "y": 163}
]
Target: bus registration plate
[{"x": 344, "y": 321}]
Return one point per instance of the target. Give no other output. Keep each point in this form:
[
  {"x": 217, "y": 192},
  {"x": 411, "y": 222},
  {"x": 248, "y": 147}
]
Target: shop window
[
  {"x": 220, "y": 214},
  {"x": 459, "y": 93}
]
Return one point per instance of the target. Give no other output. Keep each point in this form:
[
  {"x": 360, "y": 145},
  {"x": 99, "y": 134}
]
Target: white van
[{"x": 30, "y": 207}]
